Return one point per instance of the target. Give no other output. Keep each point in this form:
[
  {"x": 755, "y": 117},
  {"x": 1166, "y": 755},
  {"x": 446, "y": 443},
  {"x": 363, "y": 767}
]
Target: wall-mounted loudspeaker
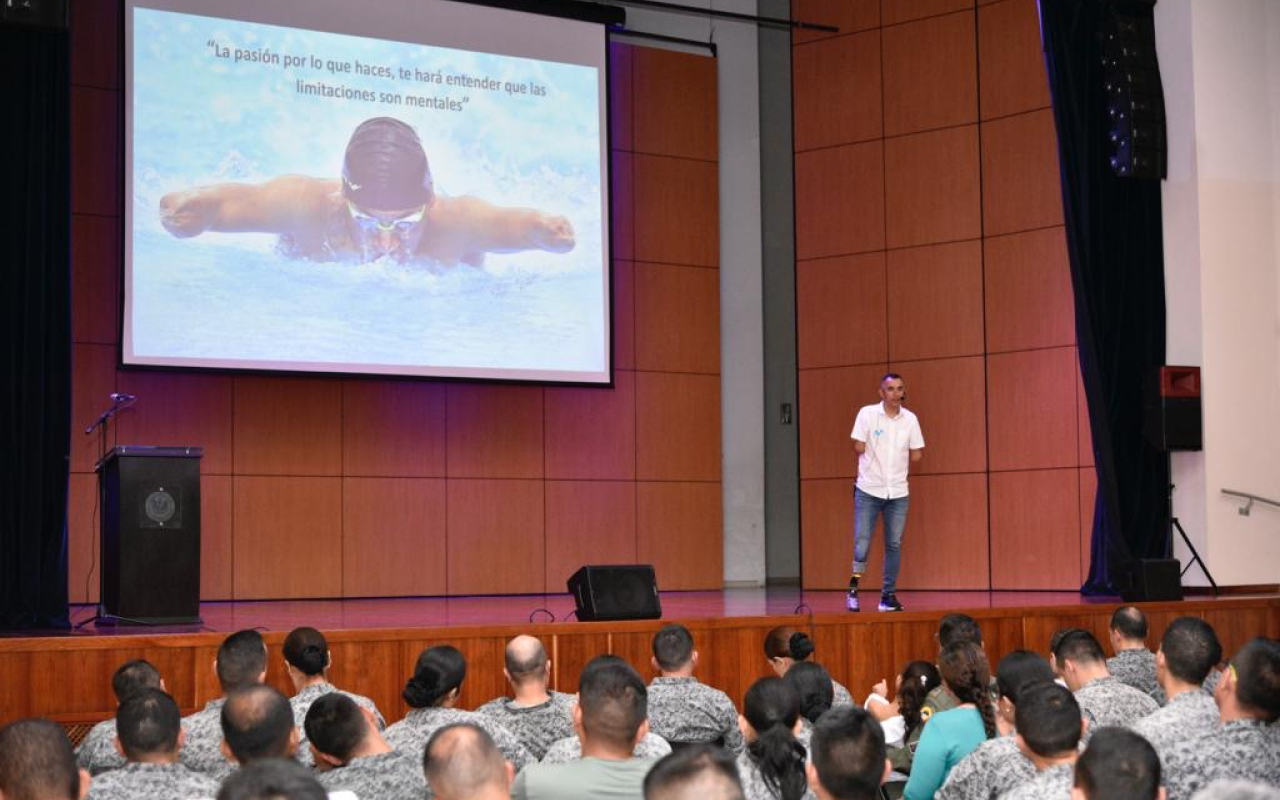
[
  {"x": 607, "y": 592},
  {"x": 1134, "y": 93},
  {"x": 1172, "y": 411}
]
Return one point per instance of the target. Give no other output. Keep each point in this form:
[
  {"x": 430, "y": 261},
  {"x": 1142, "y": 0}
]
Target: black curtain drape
[
  {"x": 35, "y": 306},
  {"x": 1114, "y": 239}
]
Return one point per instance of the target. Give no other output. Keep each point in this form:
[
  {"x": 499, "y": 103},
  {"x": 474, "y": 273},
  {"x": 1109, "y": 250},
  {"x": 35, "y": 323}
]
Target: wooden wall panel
[
  {"x": 95, "y": 37},
  {"x": 180, "y": 410},
  {"x": 675, "y": 331},
  {"x": 83, "y": 561},
  {"x": 1020, "y": 184},
  {"x": 847, "y": 15},
  {"x": 1031, "y": 402},
  {"x": 591, "y": 433},
  {"x": 677, "y": 427},
  {"x": 684, "y": 85},
  {"x": 837, "y": 91},
  {"x": 287, "y": 537},
  {"x": 841, "y": 311},
  {"x": 216, "y": 553},
  {"x": 588, "y": 522},
  {"x": 826, "y": 538},
  {"x": 948, "y": 397},
  {"x": 897, "y": 11},
  {"x": 287, "y": 426},
  {"x": 624, "y": 315},
  {"x": 620, "y": 96},
  {"x": 830, "y": 399},
  {"x": 679, "y": 530},
  {"x": 1088, "y": 499},
  {"x": 93, "y": 378},
  {"x": 930, "y": 74},
  {"x": 393, "y": 532},
  {"x": 935, "y": 301},
  {"x": 676, "y": 211},
  {"x": 95, "y": 151},
  {"x": 496, "y": 536},
  {"x": 95, "y": 274},
  {"x": 622, "y": 208},
  {"x": 393, "y": 428},
  {"x": 1010, "y": 59},
  {"x": 1035, "y": 529},
  {"x": 945, "y": 544},
  {"x": 932, "y": 188},
  {"x": 494, "y": 431},
  {"x": 840, "y": 200},
  {"x": 1029, "y": 299}
]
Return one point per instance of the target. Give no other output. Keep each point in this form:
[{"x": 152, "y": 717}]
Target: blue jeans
[{"x": 866, "y": 507}]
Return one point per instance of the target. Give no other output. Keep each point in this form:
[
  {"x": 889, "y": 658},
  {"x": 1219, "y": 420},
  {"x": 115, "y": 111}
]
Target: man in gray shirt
[
  {"x": 98, "y": 753},
  {"x": 698, "y": 772},
  {"x": 681, "y": 709},
  {"x": 241, "y": 662},
  {"x": 537, "y": 716},
  {"x": 1118, "y": 763},
  {"x": 463, "y": 763},
  {"x": 351, "y": 755},
  {"x": 257, "y": 724},
  {"x": 1188, "y": 650},
  {"x": 611, "y": 718},
  {"x": 1133, "y": 663},
  {"x": 1103, "y": 699},
  {"x": 149, "y": 734},
  {"x": 1049, "y": 731},
  {"x": 848, "y": 760},
  {"x": 36, "y": 760}
]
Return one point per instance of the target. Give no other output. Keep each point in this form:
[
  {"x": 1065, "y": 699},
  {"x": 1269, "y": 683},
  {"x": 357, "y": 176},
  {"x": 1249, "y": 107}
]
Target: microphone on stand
[{"x": 122, "y": 397}]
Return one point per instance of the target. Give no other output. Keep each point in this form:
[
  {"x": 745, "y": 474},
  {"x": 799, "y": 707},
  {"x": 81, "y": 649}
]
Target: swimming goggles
[{"x": 369, "y": 222}]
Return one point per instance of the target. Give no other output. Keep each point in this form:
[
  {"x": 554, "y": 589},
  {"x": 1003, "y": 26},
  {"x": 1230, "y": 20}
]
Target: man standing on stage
[{"x": 888, "y": 439}]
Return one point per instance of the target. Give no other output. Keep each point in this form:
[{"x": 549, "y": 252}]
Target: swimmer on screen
[{"x": 384, "y": 205}]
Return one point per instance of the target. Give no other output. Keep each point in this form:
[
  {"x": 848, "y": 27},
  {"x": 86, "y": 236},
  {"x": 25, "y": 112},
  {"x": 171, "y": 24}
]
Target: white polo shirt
[{"x": 882, "y": 467}]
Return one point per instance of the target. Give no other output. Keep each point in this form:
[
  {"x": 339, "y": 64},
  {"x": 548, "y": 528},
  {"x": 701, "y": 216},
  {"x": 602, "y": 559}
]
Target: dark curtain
[
  {"x": 1117, "y": 270},
  {"x": 35, "y": 306}
]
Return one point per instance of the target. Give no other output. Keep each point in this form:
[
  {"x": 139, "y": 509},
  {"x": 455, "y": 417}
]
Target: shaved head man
[
  {"x": 538, "y": 716},
  {"x": 461, "y": 762}
]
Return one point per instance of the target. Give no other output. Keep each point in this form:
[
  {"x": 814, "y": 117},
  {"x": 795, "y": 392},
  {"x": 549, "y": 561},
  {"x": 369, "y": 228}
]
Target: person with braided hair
[
  {"x": 785, "y": 646},
  {"x": 951, "y": 735},
  {"x": 772, "y": 766}
]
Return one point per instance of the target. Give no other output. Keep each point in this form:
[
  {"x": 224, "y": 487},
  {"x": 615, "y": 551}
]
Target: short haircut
[
  {"x": 813, "y": 686},
  {"x": 696, "y": 772},
  {"x": 37, "y": 762},
  {"x": 1118, "y": 765},
  {"x": 335, "y": 725},
  {"x": 241, "y": 659},
  {"x": 1129, "y": 622},
  {"x": 257, "y": 722},
  {"x": 439, "y": 670},
  {"x": 849, "y": 753},
  {"x": 307, "y": 651},
  {"x": 460, "y": 759},
  {"x": 613, "y": 700},
  {"x": 1049, "y": 719},
  {"x": 1079, "y": 646},
  {"x": 133, "y": 676},
  {"x": 272, "y": 779},
  {"x": 1058, "y": 636},
  {"x": 672, "y": 646},
  {"x": 1257, "y": 667},
  {"x": 1019, "y": 670},
  {"x": 891, "y": 376},
  {"x": 525, "y": 662},
  {"x": 1191, "y": 649},
  {"x": 148, "y": 722},
  {"x": 959, "y": 628}
]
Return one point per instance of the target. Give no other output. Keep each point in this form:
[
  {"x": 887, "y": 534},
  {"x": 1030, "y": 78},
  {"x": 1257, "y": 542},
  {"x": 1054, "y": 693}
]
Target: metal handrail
[{"x": 1247, "y": 507}]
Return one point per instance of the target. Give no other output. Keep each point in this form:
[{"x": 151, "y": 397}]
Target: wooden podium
[{"x": 150, "y": 535}]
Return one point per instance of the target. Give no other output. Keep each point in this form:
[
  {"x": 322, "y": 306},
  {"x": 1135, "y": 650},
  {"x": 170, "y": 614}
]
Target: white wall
[{"x": 1220, "y": 61}]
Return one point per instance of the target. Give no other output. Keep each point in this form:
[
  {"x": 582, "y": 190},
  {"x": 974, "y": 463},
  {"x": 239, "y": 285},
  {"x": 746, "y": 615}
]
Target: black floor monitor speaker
[
  {"x": 1151, "y": 579},
  {"x": 151, "y": 535},
  {"x": 615, "y": 591}
]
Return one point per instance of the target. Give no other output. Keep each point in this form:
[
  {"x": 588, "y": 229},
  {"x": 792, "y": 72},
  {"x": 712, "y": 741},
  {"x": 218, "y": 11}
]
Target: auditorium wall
[
  {"x": 324, "y": 487},
  {"x": 930, "y": 242}
]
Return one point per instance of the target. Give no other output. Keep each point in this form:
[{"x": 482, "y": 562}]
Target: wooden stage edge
[{"x": 68, "y": 678}]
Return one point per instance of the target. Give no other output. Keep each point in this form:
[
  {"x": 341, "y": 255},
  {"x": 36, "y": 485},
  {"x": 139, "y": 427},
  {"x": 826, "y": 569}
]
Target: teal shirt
[{"x": 948, "y": 737}]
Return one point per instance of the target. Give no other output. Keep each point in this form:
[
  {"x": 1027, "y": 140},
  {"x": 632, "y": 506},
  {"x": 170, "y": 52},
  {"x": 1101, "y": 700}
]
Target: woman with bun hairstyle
[
  {"x": 433, "y": 694},
  {"x": 784, "y": 646},
  {"x": 951, "y": 735},
  {"x": 772, "y": 765},
  {"x": 307, "y": 661}
]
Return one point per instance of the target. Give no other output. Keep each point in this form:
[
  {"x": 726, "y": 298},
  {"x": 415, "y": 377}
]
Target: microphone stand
[{"x": 103, "y": 424}]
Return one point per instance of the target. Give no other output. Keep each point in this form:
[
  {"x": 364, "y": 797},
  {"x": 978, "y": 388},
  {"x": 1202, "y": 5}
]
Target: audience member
[
  {"x": 1248, "y": 697},
  {"x": 1049, "y": 731},
  {"x": 1188, "y": 650},
  {"x": 37, "y": 763},
  {"x": 1104, "y": 699},
  {"x": 433, "y": 694},
  {"x": 1054, "y": 641},
  {"x": 815, "y": 689},
  {"x": 351, "y": 755},
  {"x": 952, "y": 628},
  {"x": 1132, "y": 663},
  {"x": 772, "y": 765},
  {"x": 97, "y": 752},
  {"x": 610, "y": 719},
  {"x": 998, "y": 765},
  {"x": 848, "y": 756},
  {"x": 537, "y": 716},
  {"x": 698, "y": 772},
  {"x": 461, "y": 762},
  {"x": 241, "y": 662},
  {"x": 1118, "y": 765},
  {"x": 149, "y": 735},
  {"x": 257, "y": 723},
  {"x": 902, "y": 719},
  {"x": 272, "y": 779},
  {"x": 785, "y": 646},
  {"x": 682, "y": 709},
  {"x": 951, "y": 735},
  {"x": 307, "y": 661}
]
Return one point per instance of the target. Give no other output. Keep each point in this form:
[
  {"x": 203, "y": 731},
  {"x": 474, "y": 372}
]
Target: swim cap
[{"x": 385, "y": 167}]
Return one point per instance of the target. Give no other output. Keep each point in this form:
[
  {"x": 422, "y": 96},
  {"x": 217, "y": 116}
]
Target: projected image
[{"x": 319, "y": 201}]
